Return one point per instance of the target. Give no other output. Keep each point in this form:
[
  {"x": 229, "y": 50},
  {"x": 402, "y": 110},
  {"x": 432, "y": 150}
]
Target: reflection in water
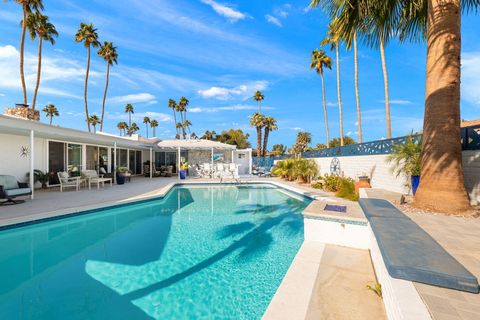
[{"x": 207, "y": 245}]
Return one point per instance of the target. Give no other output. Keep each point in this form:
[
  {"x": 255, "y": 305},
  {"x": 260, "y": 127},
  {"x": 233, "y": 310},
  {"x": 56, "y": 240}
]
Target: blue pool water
[{"x": 201, "y": 252}]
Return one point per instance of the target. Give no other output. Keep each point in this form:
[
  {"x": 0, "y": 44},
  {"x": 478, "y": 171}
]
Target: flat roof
[{"x": 195, "y": 144}]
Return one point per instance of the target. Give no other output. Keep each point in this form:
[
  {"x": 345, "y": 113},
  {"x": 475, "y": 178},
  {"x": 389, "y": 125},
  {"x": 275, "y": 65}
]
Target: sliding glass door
[
  {"x": 74, "y": 156},
  {"x": 56, "y": 160}
]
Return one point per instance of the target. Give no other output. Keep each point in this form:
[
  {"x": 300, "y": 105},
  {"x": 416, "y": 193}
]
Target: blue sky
[{"x": 217, "y": 54}]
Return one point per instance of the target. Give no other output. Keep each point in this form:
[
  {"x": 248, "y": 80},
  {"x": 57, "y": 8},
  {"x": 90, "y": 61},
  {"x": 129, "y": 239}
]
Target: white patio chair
[
  {"x": 207, "y": 170},
  {"x": 68, "y": 182}
]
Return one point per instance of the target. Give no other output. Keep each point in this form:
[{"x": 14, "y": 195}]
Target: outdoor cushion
[
  {"x": 8, "y": 182},
  {"x": 17, "y": 192},
  {"x": 412, "y": 254},
  {"x": 380, "y": 208}
]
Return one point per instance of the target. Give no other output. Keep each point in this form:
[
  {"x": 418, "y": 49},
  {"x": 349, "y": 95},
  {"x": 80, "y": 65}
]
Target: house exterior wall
[{"x": 11, "y": 161}]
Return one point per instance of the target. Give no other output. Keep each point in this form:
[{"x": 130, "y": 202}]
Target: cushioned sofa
[{"x": 10, "y": 189}]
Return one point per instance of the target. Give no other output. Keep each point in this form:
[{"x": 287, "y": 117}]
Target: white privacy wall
[
  {"x": 376, "y": 167},
  {"x": 11, "y": 161}
]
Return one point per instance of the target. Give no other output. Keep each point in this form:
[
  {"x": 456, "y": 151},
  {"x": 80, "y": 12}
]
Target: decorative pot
[
  {"x": 120, "y": 178},
  {"x": 183, "y": 174},
  {"x": 362, "y": 183},
  {"x": 415, "y": 183}
]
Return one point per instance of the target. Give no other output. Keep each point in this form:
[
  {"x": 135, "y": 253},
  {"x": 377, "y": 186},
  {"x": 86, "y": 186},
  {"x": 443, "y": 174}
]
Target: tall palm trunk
[
  {"x": 146, "y": 127},
  {"x": 259, "y": 107},
  {"x": 325, "y": 110},
  {"x": 129, "y": 119},
  {"x": 259, "y": 141},
  {"x": 184, "y": 135},
  {"x": 105, "y": 96},
  {"x": 39, "y": 70},
  {"x": 265, "y": 141},
  {"x": 175, "y": 119},
  {"x": 385, "y": 82},
  {"x": 86, "y": 87},
  {"x": 357, "y": 91},
  {"x": 339, "y": 96},
  {"x": 22, "y": 50},
  {"x": 442, "y": 184},
  {"x": 51, "y": 119}
]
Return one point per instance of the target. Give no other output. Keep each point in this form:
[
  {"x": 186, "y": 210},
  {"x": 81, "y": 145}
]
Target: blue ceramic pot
[
  {"x": 120, "y": 178},
  {"x": 415, "y": 183},
  {"x": 183, "y": 174}
]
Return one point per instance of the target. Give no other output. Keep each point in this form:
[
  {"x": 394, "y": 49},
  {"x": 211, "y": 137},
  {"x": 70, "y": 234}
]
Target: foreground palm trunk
[
  {"x": 22, "y": 50},
  {"x": 357, "y": 94},
  {"x": 442, "y": 186},
  {"x": 265, "y": 141},
  {"x": 259, "y": 141},
  {"x": 385, "y": 82},
  {"x": 39, "y": 70},
  {"x": 105, "y": 96},
  {"x": 339, "y": 96},
  {"x": 86, "y": 88}
]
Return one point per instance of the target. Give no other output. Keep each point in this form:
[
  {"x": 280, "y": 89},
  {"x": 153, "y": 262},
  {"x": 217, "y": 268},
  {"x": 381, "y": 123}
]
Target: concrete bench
[{"x": 410, "y": 253}]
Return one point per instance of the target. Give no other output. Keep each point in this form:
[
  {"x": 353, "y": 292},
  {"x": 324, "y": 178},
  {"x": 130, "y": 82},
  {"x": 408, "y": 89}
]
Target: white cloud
[
  {"x": 138, "y": 117},
  {"x": 296, "y": 129},
  {"x": 231, "y": 14},
  {"x": 134, "y": 98},
  {"x": 273, "y": 20},
  {"x": 470, "y": 79},
  {"x": 398, "y": 101},
  {"x": 242, "y": 91}
]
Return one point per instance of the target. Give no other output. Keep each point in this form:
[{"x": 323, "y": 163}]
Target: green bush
[
  {"x": 301, "y": 169},
  {"x": 329, "y": 182},
  {"x": 346, "y": 189}
]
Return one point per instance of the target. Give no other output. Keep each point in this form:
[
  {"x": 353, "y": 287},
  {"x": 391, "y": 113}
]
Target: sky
[{"x": 217, "y": 54}]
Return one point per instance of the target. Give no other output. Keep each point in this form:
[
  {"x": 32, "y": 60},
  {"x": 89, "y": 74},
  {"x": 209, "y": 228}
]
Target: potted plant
[
  {"x": 40, "y": 176},
  {"x": 121, "y": 171},
  {"x": 183, "y": 170},
  {"x": 407, "y": 160},
  {"x": 363, "y": 182}
]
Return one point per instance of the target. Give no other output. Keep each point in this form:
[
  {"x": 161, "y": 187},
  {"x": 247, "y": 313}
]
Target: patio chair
[
  {"x": 10, "y": 189},
  {"x": 167, "y": 171},
  {"x": 146, "y": 170},
  {"x": 93, "y": 177},
  {"x": 68, "y": 182},
  {"x": 206, "y": 171}
]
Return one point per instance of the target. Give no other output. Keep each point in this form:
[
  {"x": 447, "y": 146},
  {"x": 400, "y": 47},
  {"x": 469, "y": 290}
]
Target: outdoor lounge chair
[
  {"x": 68, "y": 182},
  {"x": 93, "y": 177},
  {"x": 10, "y": 189},
  {"x": 166, "y": 171}
]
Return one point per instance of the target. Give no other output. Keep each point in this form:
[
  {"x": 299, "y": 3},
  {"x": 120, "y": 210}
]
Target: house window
[{"x": 241, "y": 156}]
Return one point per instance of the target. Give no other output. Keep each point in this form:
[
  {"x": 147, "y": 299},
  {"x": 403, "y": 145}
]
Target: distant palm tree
[
  {"x": 279, "y": 149},
  {"x": 129, "y": 110},
  {"x": 133, "y": 128},
  {"x": 333, "y": 40},
  {"x": 38, "y": 25},
  {"x": 124, "y": 126},
  {"x": 146, "y": 121},
  {"x": 120, "y": 127},
  {"x": 89, "y": 36},
  {"x": 209, "y": 135},
  {"x": 320, "y": 60},
  {"x": 270, "y": 125},
  {"x": 94, "y": 120},
  {"x": 154, "y": 125},
  {"x": 182, "y": 108},
  {"x": 259, "y": 97},
  {"x": 178, "y": 126},
  {"x": 258, "y": 121},
  {"x": 28, "y": 6},
  {"x": 172, "y": 104},
  {"x": 109, "y": 53},
  {"x": 51, "y": 111}
]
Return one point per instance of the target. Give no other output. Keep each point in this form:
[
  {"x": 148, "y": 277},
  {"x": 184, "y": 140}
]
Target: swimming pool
[{"x": 210, "y": 252}]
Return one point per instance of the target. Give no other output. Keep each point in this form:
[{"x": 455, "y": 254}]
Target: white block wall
[
  {"x": 11, "y": 161},
  {"x": 471, "y": 173}
]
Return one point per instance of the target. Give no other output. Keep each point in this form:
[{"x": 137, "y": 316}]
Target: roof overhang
[{"x": 194, "y": 144}]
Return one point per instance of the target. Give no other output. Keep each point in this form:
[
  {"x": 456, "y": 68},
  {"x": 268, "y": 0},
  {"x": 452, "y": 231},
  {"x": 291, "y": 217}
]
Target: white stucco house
[{"x": 26, "y": 145}]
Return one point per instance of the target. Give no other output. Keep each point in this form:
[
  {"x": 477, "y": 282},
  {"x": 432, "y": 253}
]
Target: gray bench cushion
[
  {"x": 412, "y": 254},
  {"x": 17, "y": 192}
]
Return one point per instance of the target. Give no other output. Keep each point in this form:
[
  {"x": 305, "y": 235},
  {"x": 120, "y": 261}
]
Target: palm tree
[
  {"x": 89, "y": 36},
  {"x": 187, "y": 125},
  {"x": 51, "y": 111},
  {"x": 348, "y": 16},
  {"x": 94, "y": 120},
  {"x": 130, "y": 111},
  {"x": 333, "y": 40},
  {"x": 172, "y": 104},
  {"x": 133, "y": 128},
  {"x": 258, "y": 121},
  {"x": 109, "y": 53},
  {"x": 38, "y": 25},
  {"x": 270, "y": 125},
  {"x": 154, "y": 125},
  {"x": 120, "y": 127},
  {"x": 182, "y": 108},
  {"x": 146, "y": 121},
  {"x": 28, "y": 6},
  {"x": 124, "y": 127},
  {"x": 259, "y": 97},
  {"x": 320, "y": 60}
]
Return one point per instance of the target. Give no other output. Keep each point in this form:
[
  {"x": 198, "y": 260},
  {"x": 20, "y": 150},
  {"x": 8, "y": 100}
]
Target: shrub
[
  {"x": 303, "y": 170},
  {"x": 346, "y": 189},
  {"x": 329, "y": 182}
]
